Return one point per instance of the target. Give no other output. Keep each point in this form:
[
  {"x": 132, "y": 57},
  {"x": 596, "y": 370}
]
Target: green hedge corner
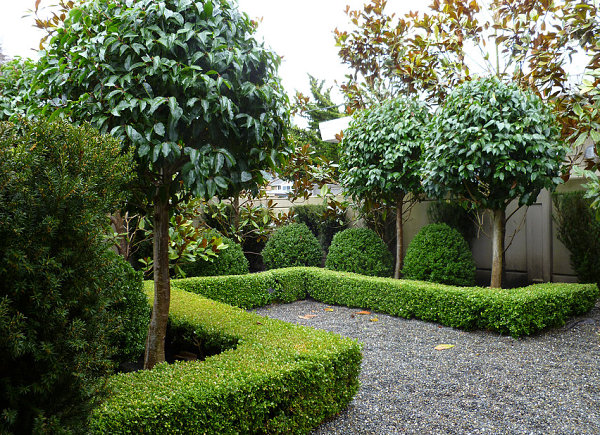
[{"x": 272, "y": 377}]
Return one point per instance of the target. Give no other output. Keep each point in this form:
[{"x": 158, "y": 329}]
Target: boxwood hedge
[
  {"x": 272, "y": 377},
  {"x": 518, "y": 312},
  {"x": 277, "y": 377}
]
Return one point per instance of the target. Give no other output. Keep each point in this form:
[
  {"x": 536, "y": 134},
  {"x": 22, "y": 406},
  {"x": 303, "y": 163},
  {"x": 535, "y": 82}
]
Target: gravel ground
[{"x": 548, "y": 383}]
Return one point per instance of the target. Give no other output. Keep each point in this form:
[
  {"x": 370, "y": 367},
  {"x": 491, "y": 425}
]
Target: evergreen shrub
[
  {"x": 439, "y": 253},
  {"x": 579, "y": 230},
  {"x": 58, "y": 183},
  {"x": 230, "y": 261},
  {"x": 292, "y": 245},
  {"x": 454, "y": 215},
  {"x": 274, "y": 377},
  {"x": 360, "y": 250},
  {"x": 129, "y": 307},
  {"x": 323, "y": 228}
]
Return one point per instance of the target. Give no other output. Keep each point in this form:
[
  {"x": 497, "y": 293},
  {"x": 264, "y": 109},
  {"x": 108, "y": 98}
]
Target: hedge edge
[
  {"x": 273, "y": 377},
  {"x": 517, "y": 312}
]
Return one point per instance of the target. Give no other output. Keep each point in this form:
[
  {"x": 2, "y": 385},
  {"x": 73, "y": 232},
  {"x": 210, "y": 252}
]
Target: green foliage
[
  {"x": 517, "y": 311},
  {"x": 454, "y": 215},
  {"x": 381, "y": 150},
  {"x": 360, "y": 250},
  {"x": 292, "y": 245},
  {"x": 229, "y": 261},
  {"x": 129, "y": 308},
  {"x": 275, "y": 378},
  {"x": 321, "y": 224},
  {"x": 58, "y": 185},
  {"x": 439, "y": 253},
  {"x": 492, "y": 143},
  {"x": 16, "y": 77},
  {"x": 579, "y": 230},
  {"x": 184, "y": 82}
]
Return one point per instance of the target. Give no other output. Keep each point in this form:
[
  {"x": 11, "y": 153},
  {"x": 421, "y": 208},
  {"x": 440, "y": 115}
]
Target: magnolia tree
[
  {"x": 187, "y": 86},
  {"x": 381, "y": 152},
  {"x": 492, "y": 143}
]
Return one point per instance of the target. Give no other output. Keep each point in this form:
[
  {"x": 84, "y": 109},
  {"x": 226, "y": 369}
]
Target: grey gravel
[{"x": 548, "y": 383}]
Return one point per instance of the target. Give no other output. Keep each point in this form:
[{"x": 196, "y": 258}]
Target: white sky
[{"x": 299, "y": 31}]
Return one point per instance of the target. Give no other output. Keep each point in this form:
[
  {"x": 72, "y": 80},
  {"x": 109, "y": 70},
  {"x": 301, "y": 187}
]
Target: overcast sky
[{"x": 300, "y": 31}]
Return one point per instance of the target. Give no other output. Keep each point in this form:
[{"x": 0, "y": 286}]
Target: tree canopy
[
  {"x": 381, "y": 152},
  {"x": 492, "y": 143}
]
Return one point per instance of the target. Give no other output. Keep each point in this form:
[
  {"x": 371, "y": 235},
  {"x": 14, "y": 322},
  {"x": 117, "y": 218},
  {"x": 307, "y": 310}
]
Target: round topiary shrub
[
  {"x": 290, "y": 246},
  {"x": 439, "y": 253},
  {"x": 231, "y": 260},
  {"x": 360, "y": 250}
]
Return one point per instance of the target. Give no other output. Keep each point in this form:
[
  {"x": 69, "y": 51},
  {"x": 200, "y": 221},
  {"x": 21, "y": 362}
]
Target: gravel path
[{"x": 487, "y": 383}]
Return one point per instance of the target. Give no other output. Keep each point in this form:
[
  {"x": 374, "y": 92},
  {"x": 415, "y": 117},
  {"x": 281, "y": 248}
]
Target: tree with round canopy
[
  {"x": 492, "y": 143},
  {"x": 185, "y": 83},
  {"x": 381, "y": 157}
]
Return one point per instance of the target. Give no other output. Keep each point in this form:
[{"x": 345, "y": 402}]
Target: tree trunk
[
  {"x": 498, "y": 248},
  {"x": 399, "y": 237},
  {"x": 118, "y": 222},
  {"x": 155, "y": 344}
]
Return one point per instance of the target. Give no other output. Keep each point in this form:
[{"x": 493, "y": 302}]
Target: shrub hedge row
[
  {"x": 275, "y": 377},
  {"x": 517, "y": 312},
  {"x": 272, "y": 377}
]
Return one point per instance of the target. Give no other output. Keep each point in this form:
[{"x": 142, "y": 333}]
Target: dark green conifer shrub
[
  {"x": 360, "y": 250},
  {"x": 579, "y": 230},
  {"x": 439, "y": 253},
  {"x": 230, "y": 261},
  {"x": 324, "y": 228},
  {"x": 292, "y": 245},
  {"x": 58, "y": 183}
]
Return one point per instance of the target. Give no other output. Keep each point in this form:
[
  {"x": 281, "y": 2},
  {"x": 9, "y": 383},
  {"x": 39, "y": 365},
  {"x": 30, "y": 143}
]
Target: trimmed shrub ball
[
  {"x": 231, "y": 261},
  {"x": 292, "y": 245},
  {"x": 439, "y": 253},
  {"x": 360, "y": 250}
]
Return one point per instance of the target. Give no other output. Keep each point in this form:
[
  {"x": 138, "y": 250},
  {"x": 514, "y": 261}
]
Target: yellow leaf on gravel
[
  {"x": 374, "y": 319},
  {"x": 443, "y": 346},
  {"x": 328, "y": 309},
  {"x": 308, "y": 316}
]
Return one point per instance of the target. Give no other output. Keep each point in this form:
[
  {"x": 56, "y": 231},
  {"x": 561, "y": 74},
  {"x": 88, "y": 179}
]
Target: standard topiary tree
[
  {"x": 381, "y": 157},
  {"x": 292, "y": 245},
  {"x": 360, "y": 250},
  {"x": 439, "y": 253},
  {"x": 187, "y": 86},
  {"x": 492, "y": 143},
  {"x": 57, "y": 327},
  {"x": 230, "y": 261}
]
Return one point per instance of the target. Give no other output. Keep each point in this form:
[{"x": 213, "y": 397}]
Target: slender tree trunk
[
  {"x": 118, "y": 222},
  {"x": 155, "y": 344},
  {"x": 498, "y": 231},
  {"x": 399, "y": 237}
]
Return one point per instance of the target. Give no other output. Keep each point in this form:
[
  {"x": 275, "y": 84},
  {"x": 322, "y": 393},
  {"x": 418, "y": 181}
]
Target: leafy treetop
[
  {"x": 182, "y": 81},
  {"x": 492, "y": 143}
]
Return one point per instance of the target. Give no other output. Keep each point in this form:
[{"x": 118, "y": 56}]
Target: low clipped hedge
[
  {"x": 272, "y": 377},
  {"x": 516, "y": 312}
]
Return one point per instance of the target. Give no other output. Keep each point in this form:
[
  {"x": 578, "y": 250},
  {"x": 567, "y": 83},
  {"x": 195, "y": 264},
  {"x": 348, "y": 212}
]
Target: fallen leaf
[
  {"x": 308, "y": 316},
  {"x": 328, "y": 309},
  {"x": 443, "y": 346},
  {"x": 374, "y": 319},
  {"x": 363, "y": 312}
]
